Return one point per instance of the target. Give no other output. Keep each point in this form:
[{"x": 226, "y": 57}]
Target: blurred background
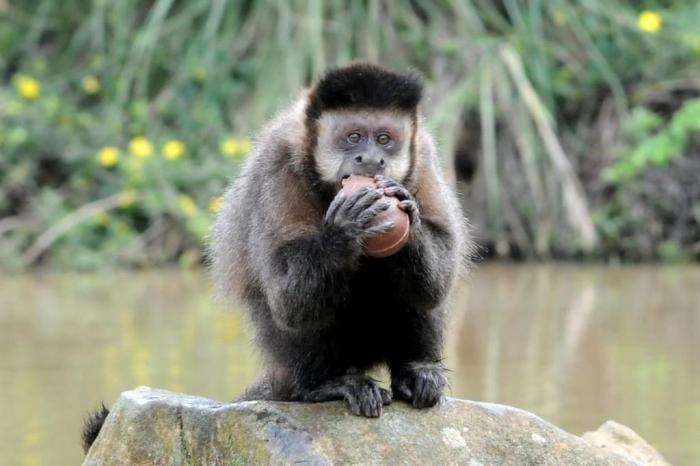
[{"x": 571, "y": 130}]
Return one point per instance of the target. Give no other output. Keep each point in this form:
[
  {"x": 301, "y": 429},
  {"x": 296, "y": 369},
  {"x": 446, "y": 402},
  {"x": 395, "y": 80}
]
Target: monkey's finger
[
  {"x": 334, "y": 207},
  {"x": 398, "y": 192},
  {"x": 354, "y": 198},
  {"x": 364, "y": 202},
  {"x": 411, "y": 208},
  {"x": 374, "y": 210},
  {"x": 378, "y": 230},
  {"x": 385, "y": 182},
  {"x": 408, "y": 206}
]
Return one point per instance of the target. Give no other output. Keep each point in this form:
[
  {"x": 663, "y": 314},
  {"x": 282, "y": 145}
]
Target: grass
[{"x": 541, "y": 84}]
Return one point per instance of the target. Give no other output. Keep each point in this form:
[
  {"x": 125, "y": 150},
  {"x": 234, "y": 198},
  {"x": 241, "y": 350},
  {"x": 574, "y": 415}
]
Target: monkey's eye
[
  {"x": 383, "y": 139},
  {"x": 354, "y": 138}
]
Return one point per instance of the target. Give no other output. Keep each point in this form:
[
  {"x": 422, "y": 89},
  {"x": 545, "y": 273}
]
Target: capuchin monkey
[
  {"x": 287, "y": 246},
  {"x": 291, "y": 250}
]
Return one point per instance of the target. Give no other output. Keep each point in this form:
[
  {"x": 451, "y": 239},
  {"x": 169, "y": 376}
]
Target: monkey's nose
[{"x": 369, "y": 164}]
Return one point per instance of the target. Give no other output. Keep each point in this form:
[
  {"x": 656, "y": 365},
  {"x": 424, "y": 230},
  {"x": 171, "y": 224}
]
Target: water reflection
[
  {"x": 579, "y": 345},
  {"x": 576, "y": 345}
]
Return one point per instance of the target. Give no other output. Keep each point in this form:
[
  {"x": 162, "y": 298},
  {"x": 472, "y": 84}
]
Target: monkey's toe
[{"x": 386, "y": 396}]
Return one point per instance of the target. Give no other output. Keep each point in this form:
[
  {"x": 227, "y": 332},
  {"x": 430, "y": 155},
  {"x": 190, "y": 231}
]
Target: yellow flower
[
  {"x": 648, "y": 21},
  {"x": 214, "y": 204},
  {"x": 108, "y": 156},
  {"x": 140, "y": 147},
  {"x": 231, "y": 147},
  {"x": 91, "y": 85},
  {"x": 28, "y": 87},
  {"x": 187, "y": 204},
  {"x": 173, "y": 149}
]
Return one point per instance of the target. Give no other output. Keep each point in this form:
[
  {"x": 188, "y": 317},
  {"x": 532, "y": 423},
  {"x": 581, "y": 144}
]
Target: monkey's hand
[
  {"x": 352, "y": 214},
  {"x": 407, "y": 202}
]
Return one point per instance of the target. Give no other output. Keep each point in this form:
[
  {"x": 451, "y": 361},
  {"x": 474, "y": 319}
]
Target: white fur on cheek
[
  {"x": 398, "y": 165},
  {"x": 327, "y": 164},
  {"x": 327, "y": 161}
]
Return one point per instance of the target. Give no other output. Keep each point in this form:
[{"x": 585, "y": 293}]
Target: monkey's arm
[
  {"x": 309, "y": 277},
  {"x": 427, "y": 264}
]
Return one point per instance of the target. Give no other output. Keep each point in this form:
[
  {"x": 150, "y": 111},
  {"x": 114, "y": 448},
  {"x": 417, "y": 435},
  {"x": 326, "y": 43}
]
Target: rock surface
[
  {"x": 156, "y": 427},
  {"x": 623, "y": 440}
]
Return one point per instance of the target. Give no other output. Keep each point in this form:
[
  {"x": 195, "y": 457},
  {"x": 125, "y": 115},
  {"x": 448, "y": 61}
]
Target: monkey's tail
[{"x": 92, "y": 426}]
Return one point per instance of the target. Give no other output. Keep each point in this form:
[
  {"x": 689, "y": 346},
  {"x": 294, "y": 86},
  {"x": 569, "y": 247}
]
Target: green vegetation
[
  {"x": 655, "y": 143},
  {"x": 120, "y": 122}
]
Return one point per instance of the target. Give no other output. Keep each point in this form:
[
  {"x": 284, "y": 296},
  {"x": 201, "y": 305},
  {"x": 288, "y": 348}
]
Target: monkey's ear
[{"x": 365, "y": 85}]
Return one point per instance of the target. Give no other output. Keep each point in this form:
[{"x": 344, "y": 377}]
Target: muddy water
[{"x": 574, "y": 344}]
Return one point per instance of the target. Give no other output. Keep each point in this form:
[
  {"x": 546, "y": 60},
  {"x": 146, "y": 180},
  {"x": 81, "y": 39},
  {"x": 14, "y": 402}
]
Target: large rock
[{"x": 155, "y": 427}]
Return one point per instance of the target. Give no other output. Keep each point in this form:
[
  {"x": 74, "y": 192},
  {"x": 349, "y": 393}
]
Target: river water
[{"x": 576, "y": 345}]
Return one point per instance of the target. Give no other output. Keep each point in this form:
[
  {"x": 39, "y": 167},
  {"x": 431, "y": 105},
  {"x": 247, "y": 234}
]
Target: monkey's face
[{"x": 352, "y": 142}]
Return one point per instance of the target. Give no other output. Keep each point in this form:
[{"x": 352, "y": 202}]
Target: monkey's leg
[
  {"x": 274, "y": 385},
  {"x": 363, "y": 396},
  {"x": 417, "y": 374}
]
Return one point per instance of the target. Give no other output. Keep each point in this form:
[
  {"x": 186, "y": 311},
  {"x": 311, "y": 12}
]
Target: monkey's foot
[
  {"x": 363, "y": 396},
  {"x": 420, "y": 384}
]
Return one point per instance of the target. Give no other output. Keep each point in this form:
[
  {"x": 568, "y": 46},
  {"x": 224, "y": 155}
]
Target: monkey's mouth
[
  {"x": 346, "y": 176},
  {"x": 341, "y": 179}
]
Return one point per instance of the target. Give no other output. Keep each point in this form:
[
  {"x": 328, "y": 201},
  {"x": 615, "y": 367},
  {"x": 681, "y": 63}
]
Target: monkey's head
[{"x": 361, "y": 120}]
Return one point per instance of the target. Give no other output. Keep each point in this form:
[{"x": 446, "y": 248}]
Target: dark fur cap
[{"x": 364, "y": 85}]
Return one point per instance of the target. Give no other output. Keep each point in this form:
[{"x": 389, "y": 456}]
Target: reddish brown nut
[{"x": 392, "y": 241}]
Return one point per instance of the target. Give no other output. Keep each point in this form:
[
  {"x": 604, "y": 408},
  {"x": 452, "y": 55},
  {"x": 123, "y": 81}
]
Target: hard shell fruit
[{"x": 392, "y": 241}]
